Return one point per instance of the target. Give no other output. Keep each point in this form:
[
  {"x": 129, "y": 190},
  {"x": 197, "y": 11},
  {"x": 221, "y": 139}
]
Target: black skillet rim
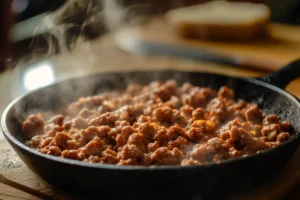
[{"x": 12, "y": 139}]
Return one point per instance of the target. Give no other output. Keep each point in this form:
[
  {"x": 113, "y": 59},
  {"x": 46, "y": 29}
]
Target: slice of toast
[{"x": 221, "y": 20}]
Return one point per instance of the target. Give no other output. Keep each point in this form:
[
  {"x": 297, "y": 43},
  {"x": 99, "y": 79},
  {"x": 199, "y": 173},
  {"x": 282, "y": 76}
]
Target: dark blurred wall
[
  {"x": 167, "y": 4},
  {"x": 286, "y": 11},
  {"x": 24, "y": 9},
  {"x": 5, "y": 24}
]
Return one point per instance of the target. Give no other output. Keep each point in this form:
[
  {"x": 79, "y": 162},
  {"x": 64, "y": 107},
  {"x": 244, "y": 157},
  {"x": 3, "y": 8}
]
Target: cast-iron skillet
[{"x": 209, "y": 181}]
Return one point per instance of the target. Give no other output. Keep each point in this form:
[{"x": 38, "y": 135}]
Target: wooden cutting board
[{"x": 269, "y": 54}]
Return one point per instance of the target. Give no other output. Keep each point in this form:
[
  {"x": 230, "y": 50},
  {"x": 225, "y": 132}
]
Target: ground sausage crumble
[{"x": 157, "y": 124}]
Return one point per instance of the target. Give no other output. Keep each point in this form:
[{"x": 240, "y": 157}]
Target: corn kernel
[
  {"x": 82, "y": 99},
  {"x": 200, "y": 122},
  {"x": 210, "y": 126},
  {"x": 110, "y": 105},
  {"x": 154, "y": 125}
]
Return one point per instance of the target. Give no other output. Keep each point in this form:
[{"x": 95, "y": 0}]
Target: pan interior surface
[
  {"x": 269, "y": 98},
  {"x": 223, "y": 178}
]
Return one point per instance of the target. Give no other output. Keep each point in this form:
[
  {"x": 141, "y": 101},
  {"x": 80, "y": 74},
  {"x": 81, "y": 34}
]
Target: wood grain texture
[
  {"x": 10, "y": 193},
  {"x": 15, "y": 174}
]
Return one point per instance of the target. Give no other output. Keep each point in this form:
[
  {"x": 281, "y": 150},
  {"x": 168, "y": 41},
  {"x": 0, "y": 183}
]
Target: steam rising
[
  {"x": 78, "y": 21},
  {"x": 70, "y": 30}
]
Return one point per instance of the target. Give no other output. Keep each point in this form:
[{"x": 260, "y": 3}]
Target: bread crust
[{"x": 221, "y": 31}]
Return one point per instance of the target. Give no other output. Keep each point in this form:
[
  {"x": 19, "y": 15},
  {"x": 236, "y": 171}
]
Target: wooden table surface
[{"x": 103, "y": 55}]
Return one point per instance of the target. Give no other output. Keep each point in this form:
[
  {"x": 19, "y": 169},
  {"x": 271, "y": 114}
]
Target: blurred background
[
  {"x": 13, "y": 12},
  {"x": 286, "y": 11}
]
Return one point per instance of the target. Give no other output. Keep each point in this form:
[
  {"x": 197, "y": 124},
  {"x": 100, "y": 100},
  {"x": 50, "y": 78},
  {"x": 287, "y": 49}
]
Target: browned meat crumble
[{"x": 157, "y": 124}]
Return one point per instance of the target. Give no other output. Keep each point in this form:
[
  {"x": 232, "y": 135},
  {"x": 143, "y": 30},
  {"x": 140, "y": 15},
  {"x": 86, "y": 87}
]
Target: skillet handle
[{"x": 284, "y": 76}]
